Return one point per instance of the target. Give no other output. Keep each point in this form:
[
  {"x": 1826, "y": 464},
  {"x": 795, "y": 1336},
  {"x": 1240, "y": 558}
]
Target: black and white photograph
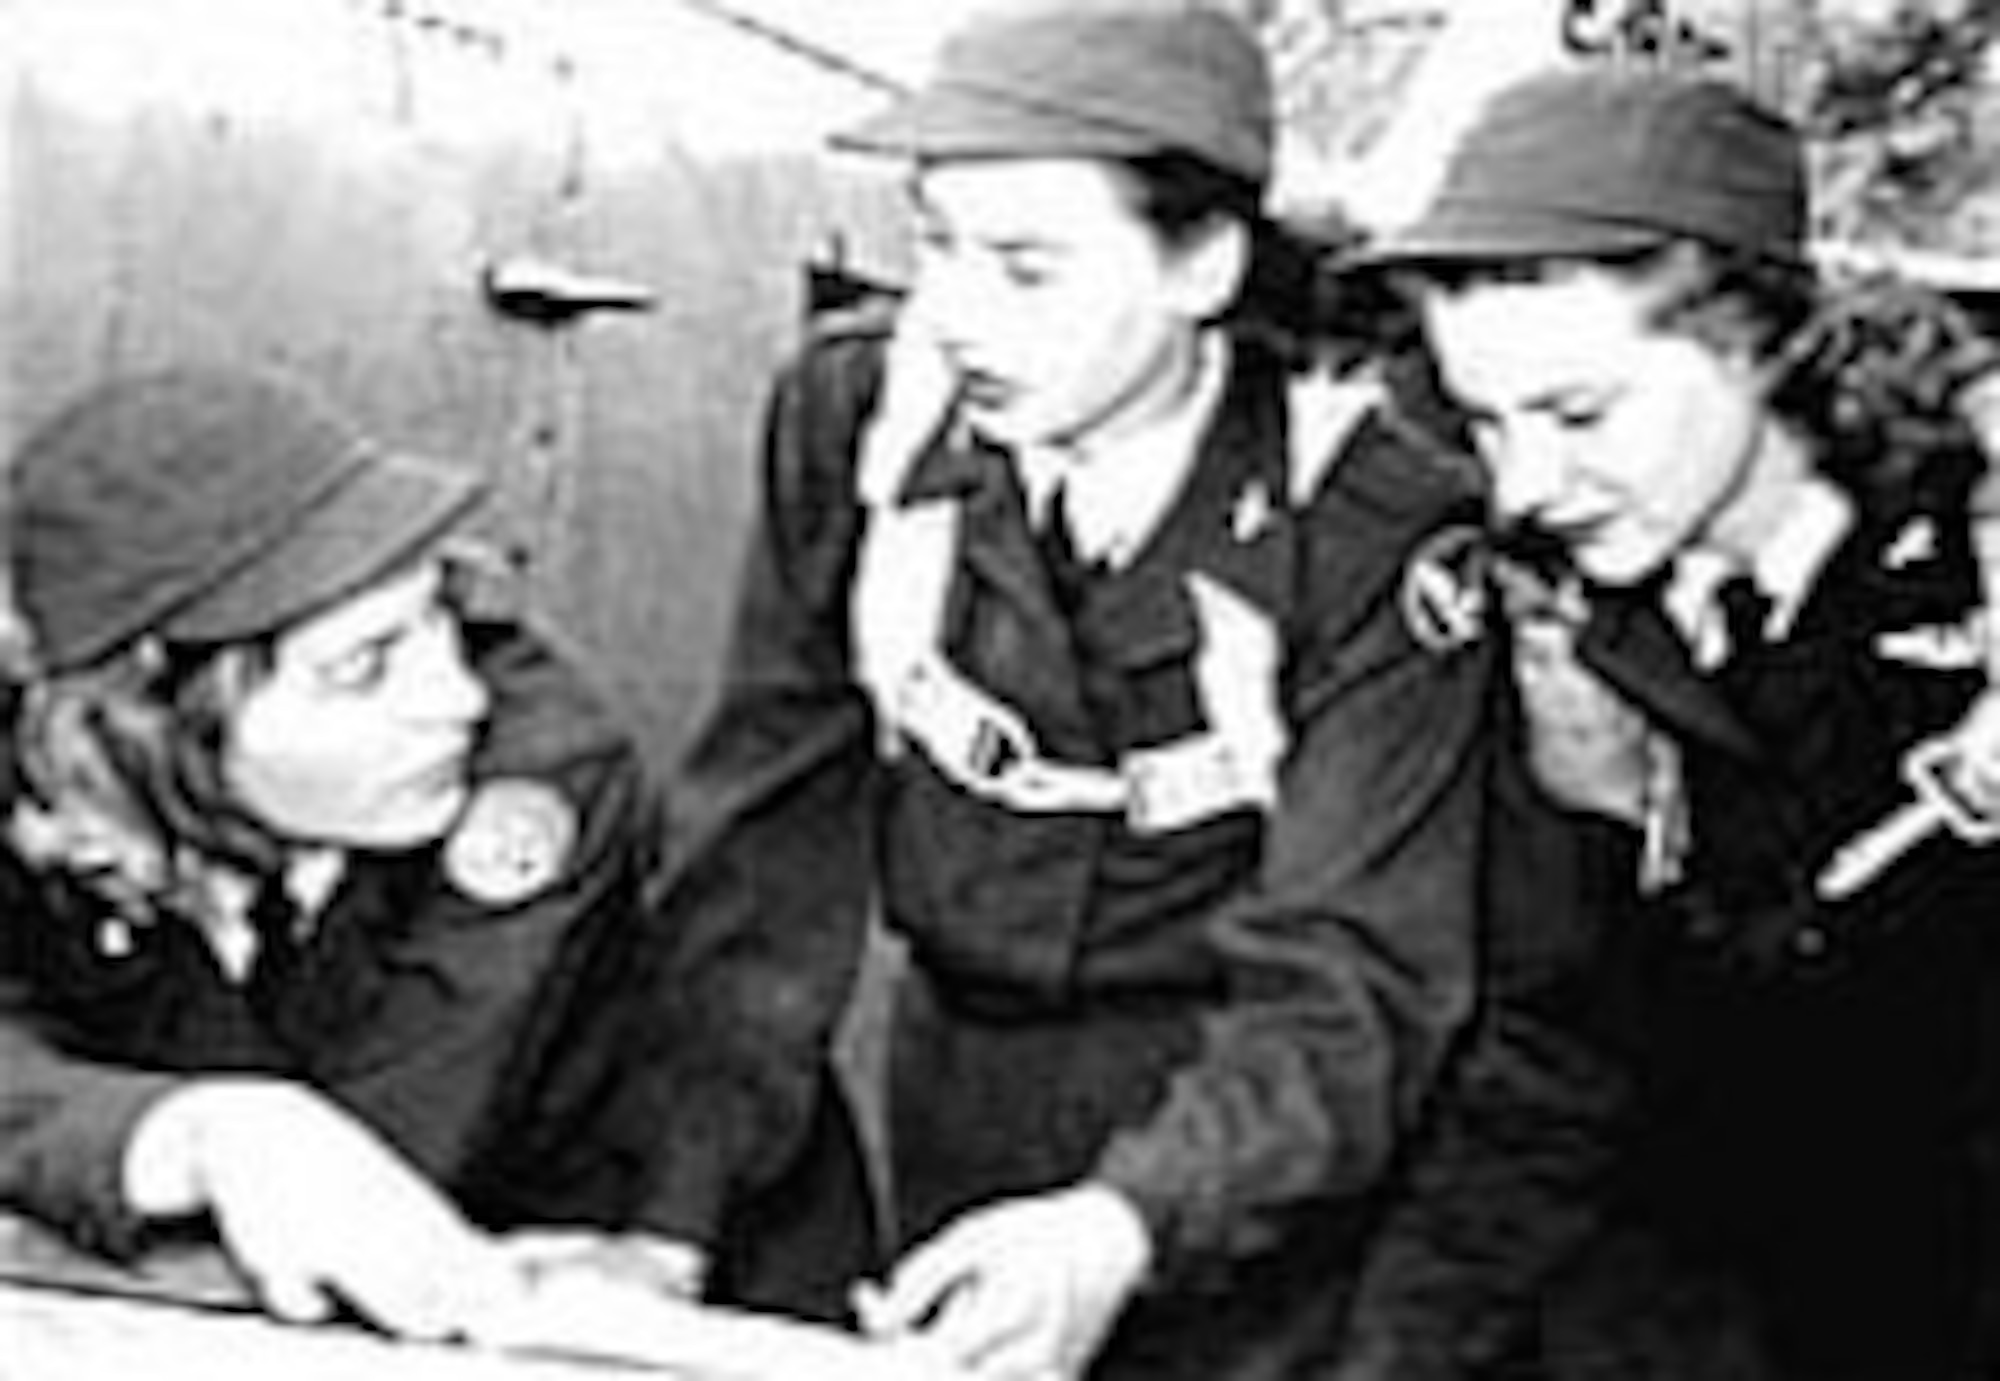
[{"x": 1000, "y": 690}]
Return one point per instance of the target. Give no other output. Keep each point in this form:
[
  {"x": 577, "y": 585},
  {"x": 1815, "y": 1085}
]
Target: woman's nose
[
  {"x": 1529, "y": 474},
  {"x": 453, "y": 692},
  {"x": 952, "y": 300}
]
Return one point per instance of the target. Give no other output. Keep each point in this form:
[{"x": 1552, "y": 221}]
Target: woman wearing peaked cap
[
  {"x": 1738, "y": 1122},
  {"x": 304, "y": 861},
  {"x": 1073, "y": 639}
]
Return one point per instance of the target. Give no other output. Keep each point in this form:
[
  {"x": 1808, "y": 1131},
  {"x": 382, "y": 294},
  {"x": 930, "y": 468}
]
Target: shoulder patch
[
  {"x": 514, "y": 840},
  {"x": 1916, "y": 542},
  {"x": 1444, "y": 593}
]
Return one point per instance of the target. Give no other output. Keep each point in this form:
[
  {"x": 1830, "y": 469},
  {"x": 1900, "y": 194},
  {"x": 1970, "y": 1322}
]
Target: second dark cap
[{"x": 1111, "y": 78}]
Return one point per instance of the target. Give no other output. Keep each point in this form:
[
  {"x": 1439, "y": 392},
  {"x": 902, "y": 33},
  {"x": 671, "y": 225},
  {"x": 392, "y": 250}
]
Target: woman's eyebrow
[{"x": 1560, "y": 397}]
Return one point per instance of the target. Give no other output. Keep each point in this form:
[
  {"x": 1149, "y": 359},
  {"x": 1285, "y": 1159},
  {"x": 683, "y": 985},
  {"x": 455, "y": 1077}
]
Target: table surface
[
  {"x": 67, "y": 1316},
  {"x": 63, "y": 1333}
]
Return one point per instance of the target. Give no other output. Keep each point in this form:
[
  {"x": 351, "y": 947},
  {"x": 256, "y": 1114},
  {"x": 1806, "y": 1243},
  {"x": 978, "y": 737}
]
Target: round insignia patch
[
  {"x": 1444, "y": 595},
  {"x": 513, "y": 841}
]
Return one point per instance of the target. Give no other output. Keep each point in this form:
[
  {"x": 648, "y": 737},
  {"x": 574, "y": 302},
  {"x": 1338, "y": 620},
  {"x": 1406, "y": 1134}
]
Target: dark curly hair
[
  {"x": 118, "y": 774},
  {"x": 1882, "y": 370}
]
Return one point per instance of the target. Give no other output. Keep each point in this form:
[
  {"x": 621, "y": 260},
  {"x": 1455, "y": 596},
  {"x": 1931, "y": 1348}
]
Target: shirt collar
[
  {"x": 312, "y": 875},
  {"x": 1783, "y": 568},
  {"x": 1791, "y": 558}
]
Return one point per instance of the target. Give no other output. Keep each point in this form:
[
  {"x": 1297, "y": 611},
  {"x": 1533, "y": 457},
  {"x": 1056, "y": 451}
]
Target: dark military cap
[
  {"x": 207, "y": 505},
  {"x": 1104, "y": 80},
  {"x": 1592, "y": 162}
]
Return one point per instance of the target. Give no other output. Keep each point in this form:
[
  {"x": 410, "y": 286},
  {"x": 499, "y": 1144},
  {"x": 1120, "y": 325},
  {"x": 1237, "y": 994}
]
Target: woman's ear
[{"x": 1209, "y": 268}]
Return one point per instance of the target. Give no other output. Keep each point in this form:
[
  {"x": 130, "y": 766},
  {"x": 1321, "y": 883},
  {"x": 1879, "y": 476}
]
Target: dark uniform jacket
[
  {"x": 424, "y": 999},
  {"x": 1767, "y": 1088},
  {"x": 1227, "y": 1021}
]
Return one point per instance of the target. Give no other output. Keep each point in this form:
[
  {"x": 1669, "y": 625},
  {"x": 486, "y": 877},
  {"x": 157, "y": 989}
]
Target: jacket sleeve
[
  {"x": 65, "y": 1122},
  {"x": 66, "y": 1111},
  {"x": 1350, "y": 956},
  {"x": 768, "y": 887},
  {"x": 1511, "y": 1175},
  {"x": 1508, "y": 1185}
]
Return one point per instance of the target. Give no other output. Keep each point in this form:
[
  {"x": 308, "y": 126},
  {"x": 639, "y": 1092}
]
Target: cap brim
[
  {"x": 382, "y": 519},
  {"x": 955, "y": 122},
  {"x": 1467, "y": 235}
]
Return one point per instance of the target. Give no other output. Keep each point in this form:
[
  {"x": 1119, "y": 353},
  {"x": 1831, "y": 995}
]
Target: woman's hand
[
  {"x": 1586, "y": 744},
  {"x": 316, "y": 1209},
  {"x": 1977, "y": 741},
  {"x": 1023, "y": 1290}
]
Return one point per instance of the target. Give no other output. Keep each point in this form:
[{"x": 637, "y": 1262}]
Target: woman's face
[
  {"x": 1623, "y": 440},
  {"x": 359, "y": 735},
  {"x": 1062, "y": 309}
]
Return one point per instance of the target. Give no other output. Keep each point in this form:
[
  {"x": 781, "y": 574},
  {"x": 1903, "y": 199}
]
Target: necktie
[
  {"x": 274, "y": 916},
  {"x": 1067, "y": 570},
  {"x": 1630, "y": 642},
  {"x": 1746, "y": 613}
]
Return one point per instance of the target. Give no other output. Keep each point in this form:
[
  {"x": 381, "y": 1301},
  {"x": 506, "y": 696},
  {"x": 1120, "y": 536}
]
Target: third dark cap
[{"x": 1586, "y": 162}]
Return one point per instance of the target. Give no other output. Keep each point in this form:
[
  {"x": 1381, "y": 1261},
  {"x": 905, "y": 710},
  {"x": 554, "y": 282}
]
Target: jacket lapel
[
  {"x": 1231, "y": 521},
  {"x": 1003, "y": 626},
  {"x": 1629, "y": 642},
  {"x": 1004, "y": 622}
]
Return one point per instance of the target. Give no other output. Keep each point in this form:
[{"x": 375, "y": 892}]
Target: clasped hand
[
  {"x": 1586, "y": 744},
  {"x": 1023, "y": 1290}
]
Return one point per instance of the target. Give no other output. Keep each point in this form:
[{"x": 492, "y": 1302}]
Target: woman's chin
[{"x": 414, "y": 823}]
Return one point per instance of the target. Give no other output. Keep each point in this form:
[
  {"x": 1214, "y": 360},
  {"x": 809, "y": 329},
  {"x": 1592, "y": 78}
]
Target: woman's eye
[
  {"x": 358, "y": 671},
  {"x": 932, "y": 240},
  {"x": 1028, "y": 273}
]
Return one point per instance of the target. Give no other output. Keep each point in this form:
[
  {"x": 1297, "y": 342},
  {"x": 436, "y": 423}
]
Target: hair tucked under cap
[{"x": 208, "y": 505}]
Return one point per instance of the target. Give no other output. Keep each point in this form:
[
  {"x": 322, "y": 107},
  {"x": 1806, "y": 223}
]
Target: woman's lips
[{"x": 985, "y": 391}]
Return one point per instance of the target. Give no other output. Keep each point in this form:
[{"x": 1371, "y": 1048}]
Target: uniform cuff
[
  {"x": 1162, "y": 1188},
  {"x": 76, "y": 1179},
  {"x": 688, "y": 1199}
]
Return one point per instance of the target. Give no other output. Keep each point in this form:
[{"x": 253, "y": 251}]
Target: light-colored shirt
[{"x": 1783, "y": 570}]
